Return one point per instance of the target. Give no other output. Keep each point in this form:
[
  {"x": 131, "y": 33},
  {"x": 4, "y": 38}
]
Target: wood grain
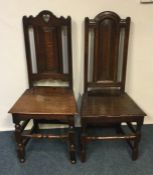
[
  {"x": 110, "y": 106},
  {"x": 46, "y": 100}
]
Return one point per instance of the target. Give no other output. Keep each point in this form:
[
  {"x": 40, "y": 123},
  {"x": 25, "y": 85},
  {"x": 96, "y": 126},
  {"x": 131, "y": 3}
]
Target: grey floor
[{"x": 46, "y": 157}]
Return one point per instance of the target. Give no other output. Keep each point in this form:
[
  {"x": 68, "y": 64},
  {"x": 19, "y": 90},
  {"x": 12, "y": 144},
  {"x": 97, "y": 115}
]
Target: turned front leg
[
  {"x": 19, "y": 141},
  {"x": 72, "y": 149}
]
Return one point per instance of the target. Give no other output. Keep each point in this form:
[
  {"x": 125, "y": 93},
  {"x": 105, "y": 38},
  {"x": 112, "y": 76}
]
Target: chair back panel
[
  {"x": 106, "y": 44},
  {"x": 48, "y": 47}
]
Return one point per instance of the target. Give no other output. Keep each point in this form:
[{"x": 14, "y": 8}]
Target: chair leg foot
[
  {"x": 72, "y": 154},
  {"x": 83, "y": 149},
  {"x": 20, "y": 145},
  {"x": 22, "y": 160},
  {"x": 82, "y": 156},
  {"x": 73, "y": 160},
  {"x": 135, "y": 150},
  {"x": 72, "y": 149},
  {"x": 21, "y": 152},
  {"x": 135, "y": 154}
]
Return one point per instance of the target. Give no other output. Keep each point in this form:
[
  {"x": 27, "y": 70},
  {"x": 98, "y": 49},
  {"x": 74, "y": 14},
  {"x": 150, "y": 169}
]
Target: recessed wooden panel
[
  {"x": 107, "y": 50},
  {"x": 47, "y": 49},
  {"x": 48, "y": 58}
]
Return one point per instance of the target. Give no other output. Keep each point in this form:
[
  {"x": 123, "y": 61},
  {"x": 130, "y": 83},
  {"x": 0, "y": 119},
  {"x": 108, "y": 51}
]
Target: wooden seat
[
  {"x": 105, "y": 102},
  {"x": 45, "y": 100},
  {"x": 49, "y": 58},
  {"x": 121, "y": 106}
]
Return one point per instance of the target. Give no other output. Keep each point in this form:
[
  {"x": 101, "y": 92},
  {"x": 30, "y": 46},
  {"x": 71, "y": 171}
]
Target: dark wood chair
[
  {"x": 105, "y": 102},
  {"x": 49, "y": 58}
]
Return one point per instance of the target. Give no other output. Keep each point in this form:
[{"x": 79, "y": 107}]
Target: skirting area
[{"x": 47, "y": 157}]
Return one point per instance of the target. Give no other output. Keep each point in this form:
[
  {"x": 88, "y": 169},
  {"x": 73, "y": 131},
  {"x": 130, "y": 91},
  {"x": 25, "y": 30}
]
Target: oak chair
[
  {"x": 49, "y": 58},
  {"x": 105, "y": 102}
]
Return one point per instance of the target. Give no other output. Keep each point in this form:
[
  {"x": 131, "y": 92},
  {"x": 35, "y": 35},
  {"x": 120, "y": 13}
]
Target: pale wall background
[{"x": 12, "y": 54}]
